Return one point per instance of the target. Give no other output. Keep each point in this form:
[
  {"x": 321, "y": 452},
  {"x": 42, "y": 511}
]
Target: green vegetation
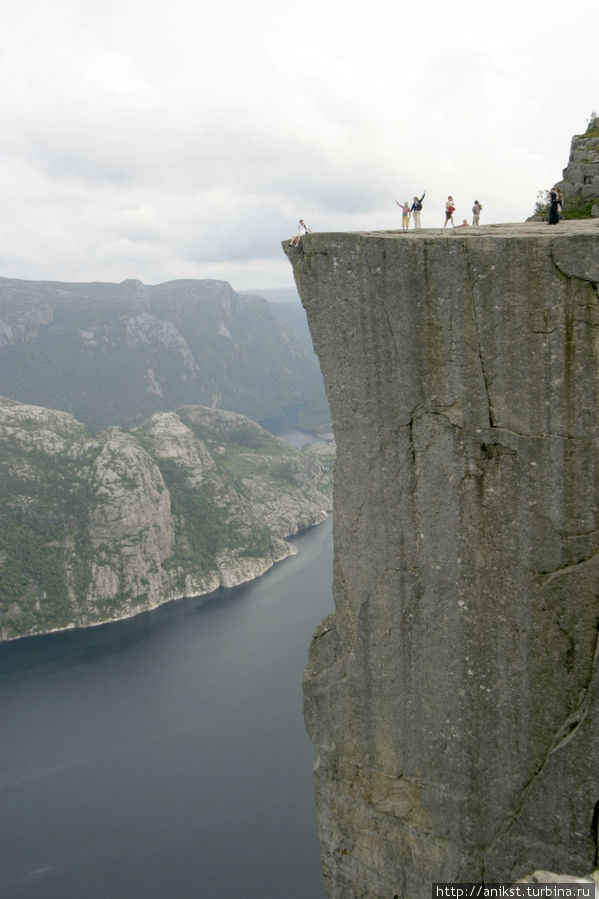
[
  {"x": 249, "y": 437},
  {"x": 542, "y": 203},
  {"x": 115, "y": 607},
  {"x": 33, "y": 585},
  {"x": 285, "y": 471},
  {"x": 592, "y": 125},
  {"x": 44, "y": 546},
  {"x": 315, "y": 417},
  {"x": 577, "y": 207},
  {"x": 200, "y": 527},
  {"x": 205, "y": 526}
]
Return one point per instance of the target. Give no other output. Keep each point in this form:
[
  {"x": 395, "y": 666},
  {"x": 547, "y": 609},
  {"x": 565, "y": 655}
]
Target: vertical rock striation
[{"x": 453, "y": 695}]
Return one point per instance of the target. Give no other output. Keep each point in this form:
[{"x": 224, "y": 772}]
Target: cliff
[
  {"x": 98, "y": 527},
  {"x": 580, "y": 184},
  {"x": 453, "y": 695}
]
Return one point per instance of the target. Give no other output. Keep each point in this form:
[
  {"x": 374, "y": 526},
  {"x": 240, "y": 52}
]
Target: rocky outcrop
[
  {"x": 129, "y": 526},
  {"x": 94, "y": 528},
  {"x": 453, "y": 696},
  {"x": 580, "y": 184}
]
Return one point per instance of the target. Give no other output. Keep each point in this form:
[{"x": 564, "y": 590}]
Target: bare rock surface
[
  {"x": 580, "y": 184},
  {"x": 453, "y": 695}
]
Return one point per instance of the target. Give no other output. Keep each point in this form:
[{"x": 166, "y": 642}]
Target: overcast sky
[{"x": 160, "y": 140}]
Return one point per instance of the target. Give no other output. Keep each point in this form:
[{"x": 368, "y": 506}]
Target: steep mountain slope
[
  {"x": 100, "y": 527},
  {"x": 115, "y": 353}
]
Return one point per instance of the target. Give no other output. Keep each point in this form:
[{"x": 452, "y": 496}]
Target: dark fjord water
[{"x": 165, "y": 757}]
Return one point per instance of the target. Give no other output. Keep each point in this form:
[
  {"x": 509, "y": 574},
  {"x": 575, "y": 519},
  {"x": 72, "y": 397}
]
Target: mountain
[
  {"x": 97, "y": 527},
  {"x": 286, "y": 295},
  {"x": 112, "y": 354}
]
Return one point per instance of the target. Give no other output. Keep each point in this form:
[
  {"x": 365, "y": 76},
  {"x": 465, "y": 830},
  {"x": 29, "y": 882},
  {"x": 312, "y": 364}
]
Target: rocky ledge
[{"x": 453, "y": 696}]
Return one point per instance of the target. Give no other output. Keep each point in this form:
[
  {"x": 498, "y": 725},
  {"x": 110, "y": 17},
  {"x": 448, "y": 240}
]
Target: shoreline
[{"x": 171, "y": 599}]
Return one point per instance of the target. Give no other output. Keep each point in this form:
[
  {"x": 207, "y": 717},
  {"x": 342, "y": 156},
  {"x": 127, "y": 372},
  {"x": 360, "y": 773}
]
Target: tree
[{"x": 542, "y": 204}]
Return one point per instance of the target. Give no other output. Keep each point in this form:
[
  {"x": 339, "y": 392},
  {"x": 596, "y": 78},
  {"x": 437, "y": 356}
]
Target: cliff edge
[{"x": 453, "y": 696}]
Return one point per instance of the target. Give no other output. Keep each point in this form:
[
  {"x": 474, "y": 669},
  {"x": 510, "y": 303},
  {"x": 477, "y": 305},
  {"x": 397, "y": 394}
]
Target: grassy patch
[{"x": 578, "y": 208}]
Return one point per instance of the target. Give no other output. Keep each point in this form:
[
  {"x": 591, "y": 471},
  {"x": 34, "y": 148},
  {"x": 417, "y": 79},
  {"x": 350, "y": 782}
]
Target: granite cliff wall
[
  {"x": 580, "y": 184},
  {"x": 453, "y": 695}
]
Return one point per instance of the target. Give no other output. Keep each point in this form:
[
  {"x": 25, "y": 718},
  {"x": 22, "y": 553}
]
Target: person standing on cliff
[
  {"x": 416, "y": 209},
  {"x": 553, "y": 207},
  {"x": 405, "y": 214},
  {"x": 302, "y": 229},
  {"x": 560, "y": 203},
  {"x": 476, "y": 211},
  {"x": 449, "y": 211}
]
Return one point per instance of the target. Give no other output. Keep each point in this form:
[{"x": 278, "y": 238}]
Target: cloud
[{"x": 153, "y": 141}]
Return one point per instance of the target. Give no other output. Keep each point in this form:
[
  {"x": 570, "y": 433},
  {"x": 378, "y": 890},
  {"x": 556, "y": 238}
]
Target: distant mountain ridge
[
  {"x": 98, "y": 527},
  {"x": 113, "y": 354},
  {"x": 281, "y": 295}
]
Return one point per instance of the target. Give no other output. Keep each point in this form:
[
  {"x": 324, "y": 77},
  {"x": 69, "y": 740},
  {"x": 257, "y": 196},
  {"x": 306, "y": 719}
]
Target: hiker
[
  {"x": 476, "y": 211},
  {"x": 553, "y": 207},
  {"x": 464, "y": 224},
  {"x": 416, "y": 209},
  {"x": 302, "y": 229},
  {"x": 449, "y": 211},
  {"x": 405, "y": 214}
]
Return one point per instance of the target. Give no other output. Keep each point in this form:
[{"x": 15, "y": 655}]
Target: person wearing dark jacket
[
  {"x": 416, "y": 209},
  {"x": 553, "y": 207}
]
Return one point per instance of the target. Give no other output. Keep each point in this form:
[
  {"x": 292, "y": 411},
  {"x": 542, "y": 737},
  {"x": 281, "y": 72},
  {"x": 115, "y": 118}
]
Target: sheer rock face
[
  {"x": 453, "y": 695},
  {"x": 130, "y": 526},
  {"x": 581, "y": 176}
]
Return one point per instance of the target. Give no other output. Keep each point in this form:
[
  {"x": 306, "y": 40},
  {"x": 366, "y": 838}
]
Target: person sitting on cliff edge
[{"x": 302, "y": 229}]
